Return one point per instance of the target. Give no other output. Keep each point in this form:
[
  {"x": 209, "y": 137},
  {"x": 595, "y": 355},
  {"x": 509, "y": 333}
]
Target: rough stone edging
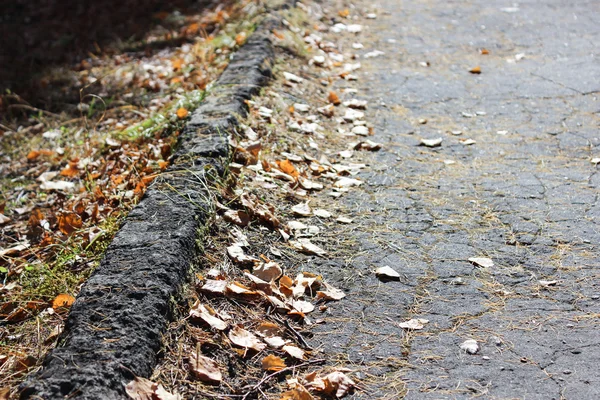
[{"x": 114, "y": 329}]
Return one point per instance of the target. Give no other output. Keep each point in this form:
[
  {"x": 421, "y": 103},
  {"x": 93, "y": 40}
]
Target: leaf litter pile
[
  {"x": 68, "y": 176},
  {"x": 246, "y": 324}
]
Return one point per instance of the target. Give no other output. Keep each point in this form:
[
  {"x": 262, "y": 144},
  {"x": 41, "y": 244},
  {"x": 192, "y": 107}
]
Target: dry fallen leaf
[
  {"x": 298, "y": 393},
  {"x": 238, "y": 256},
  {"x": 288, "y": 168},
  {"x": 214, "y": 286},
  {"x": 63, "y": 300},
  {"x": 338, "y": 384},
  {"x": 415, "y": 324},
  {"x": 69, "y": 223},
  {"x": 268, "y": 271},
  {"x": 302, "y": 209},
  {"x": 303, "y": 306},
  {"x": 475, "y": 70},
  {"x": 242, "y": 338},
  {"x": 470, "y": 346},
  {"x": 306, "y": 246},
  {"x": 144, "y": 389},
  {"x": 200, "y": 311},
  {"x": 482, "y": 261},
  {"x": 431, "y": 142},
  {"x": 273, "y": 363},
  {"x": 237, "y": 217},
  {"x": 387, "y": 273},
  {"x": 330, "y": 293},
  {"x": 334, "y": 99},
  {"x": 294, "y": 351},
  {"x": 205, "y": 369}
]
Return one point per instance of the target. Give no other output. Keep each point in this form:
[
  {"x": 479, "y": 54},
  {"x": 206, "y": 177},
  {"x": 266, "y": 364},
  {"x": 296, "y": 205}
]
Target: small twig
[
  {"x": 34, "y": 109},
  {"x": 297, "y": 334},
  {"x": 266, "y": 378}
]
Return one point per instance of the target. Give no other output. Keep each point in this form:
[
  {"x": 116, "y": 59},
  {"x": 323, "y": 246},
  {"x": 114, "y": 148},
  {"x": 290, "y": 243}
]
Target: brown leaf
[
  {"x": 475, "y": 70},
  {"x": 334, "y": 99},
  {"x": 484, "y": 51},
  {"x": 144, "y": 389},
  {"x": 298, "y": 393},
  {"x": 268, "y": 271},
  {"x": 63, "y": 300},
  {"x": 206, "y": 314},
  {"x": 330, "y": 293},
  {"x": 3, "y": 219},
  {"x": 205, "y": 369},
  {"x": 287, "y": 167},
  {"x": 273, "y": 363},
  {"x": 69, "y": 223},
  {"x": 70, "y": 171},
  {"x": 237, "y": 217}
]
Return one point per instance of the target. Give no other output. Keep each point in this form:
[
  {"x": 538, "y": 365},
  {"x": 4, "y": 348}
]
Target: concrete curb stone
[{"x": 114, "y": 329}]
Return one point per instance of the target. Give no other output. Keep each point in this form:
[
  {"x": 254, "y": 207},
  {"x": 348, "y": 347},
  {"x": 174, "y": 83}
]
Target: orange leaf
[
  {"x": 288, "y": 168},
  {"x": 334, "y": 99},
  {"x": 63, "y": 300},
  {"x": 33, "y": 154},
  {"x": 344, "y": 13},
  {"x": 475, "y": 70},
  {"x": 182, "y": 113},
  {"x": 163, "y": 164},
  {"x": 240, "y": 38},
  {"x": 69, "y": 223},
  {"x": 484, "y": 51},
  {"x": 70, "y": 171},
  {"x": 177, "y": 64},
  {"x": 273, "y": 363}
]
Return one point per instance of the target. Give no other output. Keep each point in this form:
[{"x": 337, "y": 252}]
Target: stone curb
[{"x": 114, "y": 329}]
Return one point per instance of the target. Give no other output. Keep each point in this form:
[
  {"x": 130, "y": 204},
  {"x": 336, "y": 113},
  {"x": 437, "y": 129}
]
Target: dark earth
[{"x": 526, "y": 197}]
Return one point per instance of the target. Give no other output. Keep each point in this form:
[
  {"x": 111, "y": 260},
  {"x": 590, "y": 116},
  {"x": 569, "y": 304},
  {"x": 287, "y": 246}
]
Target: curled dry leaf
[
  {"x": 237, "y": 217},
  {"x": 267, "y": 329},
  {"x": 294, "y": 351},
  {"x": 238, "y": 256},
  {"x": 334, "y": 99},
  {"x": 306, "y": 246},
  {"x": 347, "y": 182},
  {"x": 145, "y": 389},
  {"x": 275, "y": 342},
  {"x": 415, "y": 323},
  {"x": 322, "y": 213},
  {"x": 475, "y": 70},
  {"x": 268, "y": 271},
  {"x": 288, "y": 168},
  {"x": 303, "y": 306},
  {"x": 431, "y": 142},
  {"x": 387, "y": 273},
  {"x": 242, "y": 338},
  {"x": 298, "y": 393},
  {"x": 302, "y": 209},
  {"x": 3, "y": 219},
  {"x": 214, "y": 286},
  {"x": 273, "y": 363},
  {"x": 470, "y": 346},
  {"x": 205, "y": 369},
  {"x": 330, "y": 293},
  {"x": 200, "y": 311},
  {"x": 335, "y": 384},
  {"x": 69, "y": 223},
  {"x": 482, "y": 261}
]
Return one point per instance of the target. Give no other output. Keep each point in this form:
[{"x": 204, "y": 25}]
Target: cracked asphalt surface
[{"x": 525, "y": 195}]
